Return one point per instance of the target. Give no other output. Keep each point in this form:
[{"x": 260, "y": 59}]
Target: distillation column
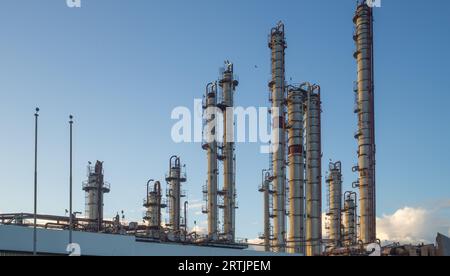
[
  {"x": 296, "y": 161},
  {"x": 153, "y": 203},
  {"x": 210, "y": 145},
  {"x": 366, "y": 121},
  {"x": 95, "y": 187},
  {"x": 266, "y": 190},
  {"x": 313, "y": 172},
  {"x": 278, "y": 46},
  {"x": 174, "y": 194},
  {"x": 228, "y": 85},
  {"x": 349, "y": 219},
  {"x": 335, "y": 187}
]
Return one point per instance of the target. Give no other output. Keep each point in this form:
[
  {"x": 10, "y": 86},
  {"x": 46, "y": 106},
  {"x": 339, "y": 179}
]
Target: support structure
[
  {"x": 277, "y": 44},
  {"x": 313, "y": 172},
  {"x": 335, "y": 192},
  {"x": 95, "y": 188},
  {"x": 365, "y": 135}
]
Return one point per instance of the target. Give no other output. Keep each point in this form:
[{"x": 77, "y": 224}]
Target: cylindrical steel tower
[
  {"x": 335, "y": 187},
  {"x": 174, "y": 194},
  {"x": 154, "y": 204},
  {"x": 366, "y": 121},
  {"x": 296, "y": 161},
  {"x": 265, "y": 189},
  {"x": 210, "y": 145},
  {"x": 228, "y": 85},
  {"x": 95, "y": 187},
  {"x": 278, "y": 45},
  {"x": 313, "y": 172},
  {"x": 349, "y": 219}
]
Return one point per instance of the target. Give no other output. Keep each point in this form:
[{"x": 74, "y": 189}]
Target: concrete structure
[
  {"x": 365, "y": 135},
  {"x": 17, "y": 240}
]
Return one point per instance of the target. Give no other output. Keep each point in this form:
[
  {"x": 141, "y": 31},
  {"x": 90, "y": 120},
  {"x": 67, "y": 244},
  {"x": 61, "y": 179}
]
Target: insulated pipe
[
  {"x": 313, "y": 172},
  {"x": 296, "y": 171},
  {"x": 277, "y": 44},
  {"x": 157, "y": 190},
  {"x": 335, "y": 188},
  {"x": 228, "y": 85},
  {"x": 366, "y": 121},
  {"x": 266, "y": 190},
  {"x": 186, "y": 203},
  {"x": 211, "y": 147}
]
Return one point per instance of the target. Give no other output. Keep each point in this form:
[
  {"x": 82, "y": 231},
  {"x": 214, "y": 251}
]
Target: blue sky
[{"x": 122, "y": 66}]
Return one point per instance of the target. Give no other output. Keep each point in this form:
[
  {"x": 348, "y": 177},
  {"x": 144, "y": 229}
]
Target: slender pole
[
  {"x": 36, "y": 116},
  {"x": 70, "y": 183}
]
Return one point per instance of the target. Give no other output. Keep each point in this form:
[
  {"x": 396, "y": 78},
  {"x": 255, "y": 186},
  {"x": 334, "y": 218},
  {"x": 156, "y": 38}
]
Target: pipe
[
  {"x": 277, "y": 44},
  {"x": 186, "y": 203},
  {"x": 267, "y": 225}
]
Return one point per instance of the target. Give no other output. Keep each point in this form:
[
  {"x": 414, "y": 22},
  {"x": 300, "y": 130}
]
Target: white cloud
[
  {"x": 411, "y": 226},
  {"x": 195, "y": 205},
  {"x": 256, "y": 244},
  {"x": 200, "y": 230}
]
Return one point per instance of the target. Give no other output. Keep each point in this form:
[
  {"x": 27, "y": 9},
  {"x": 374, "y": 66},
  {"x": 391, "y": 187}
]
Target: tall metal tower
[
  {"x": 365, "y": 135},
  {"x": 211, "y": 147},
  {"x": 153, "y": 203},
  {"x": 313, "y": 172},
  {"x": 335, "y": 203},
  {"x": 95, "y": 187},
  {"x": 277, "y": 43},
  {"x": 174, "y": 195},
  {"x": 228, "y": 85},
  {"x": 296, "y": 161}
]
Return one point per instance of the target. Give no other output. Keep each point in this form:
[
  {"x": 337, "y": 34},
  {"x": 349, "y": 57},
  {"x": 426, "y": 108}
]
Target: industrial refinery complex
[{"x": 292, "y": 184}]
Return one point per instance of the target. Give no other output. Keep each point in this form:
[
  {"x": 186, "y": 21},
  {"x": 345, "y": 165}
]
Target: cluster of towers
[
  {"x": 294, "y": 179},
  {"x": 218, "y": 109},
  {"x": 292, "y": 187},
  {"x": 176, "y": 225}
]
